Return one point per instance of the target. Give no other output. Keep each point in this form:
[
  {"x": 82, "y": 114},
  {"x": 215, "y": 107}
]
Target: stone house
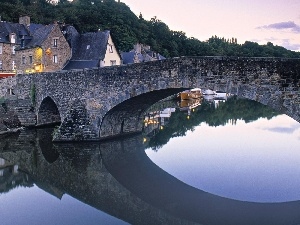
[
  {"x": 90, "y": 50},
  {"x": 30, "y": 48},
  {"x": 11, "y": 35},
  {"x": 140, "y": 53},
  {"x": 47, "y": 51}
]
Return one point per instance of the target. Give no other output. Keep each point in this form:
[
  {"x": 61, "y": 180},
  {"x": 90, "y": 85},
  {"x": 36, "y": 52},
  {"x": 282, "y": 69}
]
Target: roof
[
  {"x": 40, "y": 35},
  {"x": 88, "y": 49},
  {"x": 128, "y": 57},
  {"x": 81, "y": 64},
  {"x": 7, "y": 28},
  {"x": 90, "y": 46}
]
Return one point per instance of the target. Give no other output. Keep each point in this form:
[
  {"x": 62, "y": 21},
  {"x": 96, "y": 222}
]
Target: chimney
[{"x": 25, "y": 20}]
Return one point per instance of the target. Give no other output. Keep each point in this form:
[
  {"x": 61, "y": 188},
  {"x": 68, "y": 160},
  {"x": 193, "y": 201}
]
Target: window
[
  {"x": 0, "y": 65},
  {"x": 55, "y": 40},
  {"x": 13, "y": 65},
  {"x": 110, "y": 48},
  {"x": 88, "y": 47},
  {"x": 1, "y": 49},
  {"x": 13, "y": 50},
  {"x": 113, "y": 62},
  {"x": 55, "y": 59},
  {"x": 30, "y": 59},
  {"x": 23, "y": 59},
  {"x": 13, "y": 38}
]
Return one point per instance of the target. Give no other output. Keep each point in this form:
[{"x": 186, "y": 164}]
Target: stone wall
[
  {"x": 83, "y": 97},
  {"x": 7, "y": 87}
]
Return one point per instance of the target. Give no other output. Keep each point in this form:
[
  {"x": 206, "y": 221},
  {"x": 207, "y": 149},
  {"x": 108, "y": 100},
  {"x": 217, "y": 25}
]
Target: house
[
  {"x": 30, "y": 48},
  {"x": 140, "y": 53},
  {"x": 46, "y": 51},
  {"x": 89, "y": 50},
  {"x": 11, "y": 35}
]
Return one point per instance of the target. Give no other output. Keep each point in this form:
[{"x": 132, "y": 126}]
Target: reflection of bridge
[
  {"x": 81, "y": 99},
  {"x": 127, "y": 185}
]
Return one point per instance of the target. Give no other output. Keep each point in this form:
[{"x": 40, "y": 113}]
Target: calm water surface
[
  {"x": 256, "y": 161},
  {"x": 245, "y": 158}
]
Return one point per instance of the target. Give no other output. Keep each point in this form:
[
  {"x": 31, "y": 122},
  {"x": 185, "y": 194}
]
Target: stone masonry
[{"x": 84, "y": 97}]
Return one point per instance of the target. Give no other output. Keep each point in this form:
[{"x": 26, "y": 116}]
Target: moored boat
[{"x": 191, "y": 94}]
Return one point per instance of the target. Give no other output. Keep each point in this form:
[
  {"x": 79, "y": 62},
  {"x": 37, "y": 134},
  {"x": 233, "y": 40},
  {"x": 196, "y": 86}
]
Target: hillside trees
[{"x": 128, "y": 29}]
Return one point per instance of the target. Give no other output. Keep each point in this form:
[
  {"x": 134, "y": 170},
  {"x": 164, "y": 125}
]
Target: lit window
[
  {"x": 55, "y": 42},
  {"x": 13, "y": 50},
  {"x": 0, "y": 65},
  {"x": 1, "y": 49},
  {"x": 55, "y": 59},
  {"x": 13, "y": 65}
]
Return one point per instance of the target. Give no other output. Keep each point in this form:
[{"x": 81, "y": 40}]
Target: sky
[{"x": 261, "y": 21}]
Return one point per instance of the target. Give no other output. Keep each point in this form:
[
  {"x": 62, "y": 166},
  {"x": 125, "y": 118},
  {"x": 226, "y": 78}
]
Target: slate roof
[
  {"x": 128, "y": 57},
  {"x": 40, "y": 35},
  {"x": 6, "y": 28},
  {"x": 97, "y": 43},
  {"x": 81, "y": 64},
  {"x": 88, "y": 49}
]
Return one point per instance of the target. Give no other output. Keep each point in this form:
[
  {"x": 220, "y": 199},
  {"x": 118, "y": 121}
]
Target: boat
[
  {"x": 191, "y": 94},
  {"x": 209, "y": 92}
]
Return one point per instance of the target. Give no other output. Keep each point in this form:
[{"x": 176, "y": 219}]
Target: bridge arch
[
  {"x": 127, "y": 116},
  {"x": 48, "y": 112}
]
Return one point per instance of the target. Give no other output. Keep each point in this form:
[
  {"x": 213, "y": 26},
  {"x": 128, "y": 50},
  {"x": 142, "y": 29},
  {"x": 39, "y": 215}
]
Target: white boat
[{"x": 209, "y": 92}]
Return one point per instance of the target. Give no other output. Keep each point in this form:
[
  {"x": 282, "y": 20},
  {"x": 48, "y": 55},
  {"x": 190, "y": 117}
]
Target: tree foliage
[
  {"x": 232, "y": 110},
  {"x": 127, "y": 29}
]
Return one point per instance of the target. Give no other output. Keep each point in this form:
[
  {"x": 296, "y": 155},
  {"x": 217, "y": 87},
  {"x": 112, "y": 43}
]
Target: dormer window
[
  {"x": 55, "y": 41},
  {"x": 12, "y": 38}
]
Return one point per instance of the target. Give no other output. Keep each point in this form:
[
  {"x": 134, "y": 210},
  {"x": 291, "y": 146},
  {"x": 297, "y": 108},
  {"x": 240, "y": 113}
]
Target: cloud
[
  {"x": 288, "y": 45},
  {"x": 290, "y": 25}
]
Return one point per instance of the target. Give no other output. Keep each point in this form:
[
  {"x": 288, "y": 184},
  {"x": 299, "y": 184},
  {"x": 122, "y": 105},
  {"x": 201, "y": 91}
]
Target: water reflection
[{"x": 117, "y": 176}]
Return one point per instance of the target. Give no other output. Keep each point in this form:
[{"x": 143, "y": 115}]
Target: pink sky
[{"x": 277, "y": 21}]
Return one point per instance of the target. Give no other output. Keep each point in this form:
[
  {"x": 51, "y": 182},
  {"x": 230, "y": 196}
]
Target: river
[{"x": 222, "y": 162}]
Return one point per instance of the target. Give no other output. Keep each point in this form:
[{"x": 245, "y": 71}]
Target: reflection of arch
[
  {"x": 126, "y": 117},
  {"x": 130, "y": 166},
  {"x": 48, "y": 112},
  {"x": 45, "y": 142}
]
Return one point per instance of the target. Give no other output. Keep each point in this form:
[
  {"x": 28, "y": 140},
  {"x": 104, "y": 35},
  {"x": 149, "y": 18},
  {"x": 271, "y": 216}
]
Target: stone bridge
[{"x": 88, "y": 102}]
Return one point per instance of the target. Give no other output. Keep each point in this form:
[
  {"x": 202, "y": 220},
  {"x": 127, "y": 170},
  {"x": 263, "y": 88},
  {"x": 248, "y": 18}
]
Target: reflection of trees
[
  {"x": 10, "y": 180},
  {"x": 230, "y": 111}
]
